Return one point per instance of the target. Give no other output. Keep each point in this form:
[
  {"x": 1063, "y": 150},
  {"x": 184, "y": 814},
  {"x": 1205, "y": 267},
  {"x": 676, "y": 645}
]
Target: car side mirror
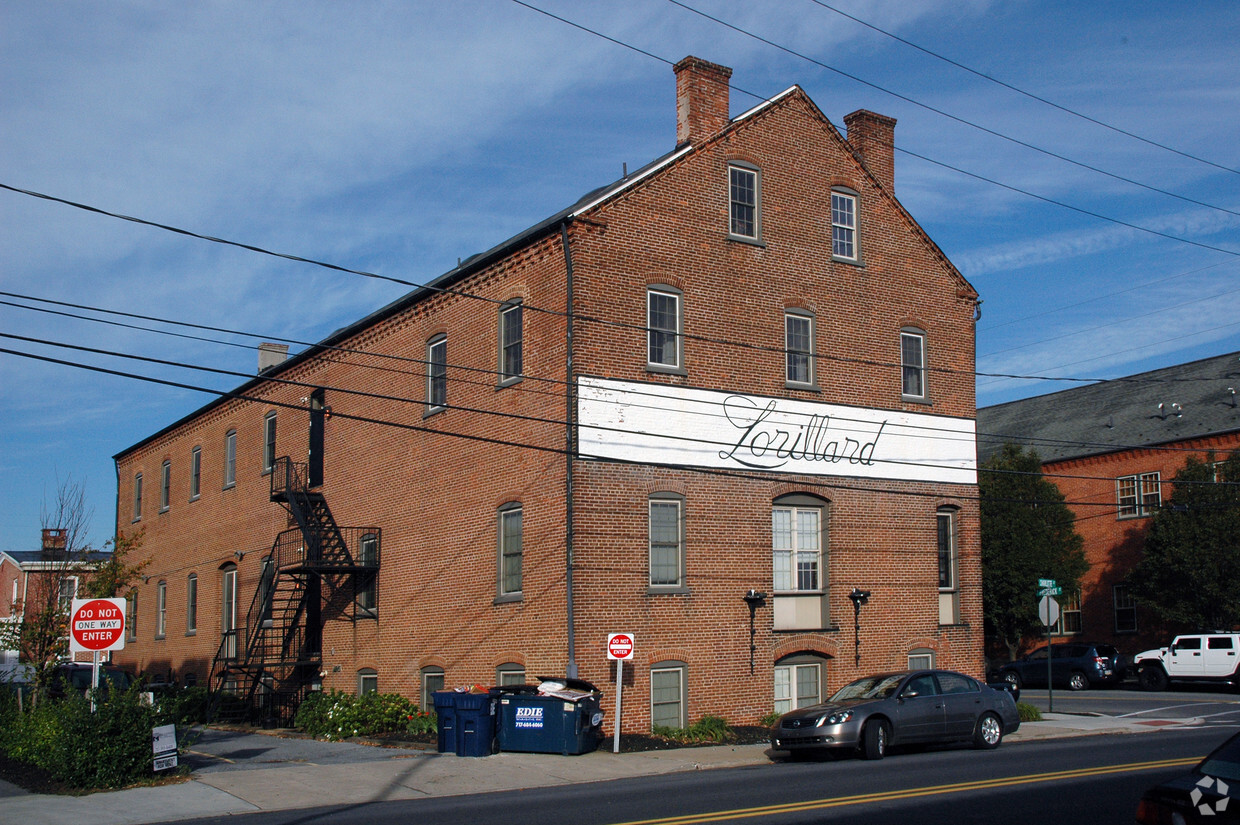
[{"x": 909, "y": 694}]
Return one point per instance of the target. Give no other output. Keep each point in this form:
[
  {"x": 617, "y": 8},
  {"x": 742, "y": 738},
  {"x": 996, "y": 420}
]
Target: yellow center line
[{"x": 910, "y": 793}]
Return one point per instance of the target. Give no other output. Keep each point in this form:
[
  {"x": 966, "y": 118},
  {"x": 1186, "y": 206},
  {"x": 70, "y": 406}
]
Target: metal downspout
[{"x": 570, "y": 410}]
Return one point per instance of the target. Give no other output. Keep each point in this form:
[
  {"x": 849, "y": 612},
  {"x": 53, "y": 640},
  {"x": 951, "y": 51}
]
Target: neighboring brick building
[
  {"x": 743, "y": 367},
  {"x": 1112, "y": 448}
]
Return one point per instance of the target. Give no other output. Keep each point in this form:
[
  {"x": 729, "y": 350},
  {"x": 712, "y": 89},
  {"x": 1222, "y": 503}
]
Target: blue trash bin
[
  {"x": 466, "y": 723},
  {"x": 534, "y": 723}
]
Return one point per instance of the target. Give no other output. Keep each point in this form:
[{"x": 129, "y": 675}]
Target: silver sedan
[{"x": 918, "y": 706}]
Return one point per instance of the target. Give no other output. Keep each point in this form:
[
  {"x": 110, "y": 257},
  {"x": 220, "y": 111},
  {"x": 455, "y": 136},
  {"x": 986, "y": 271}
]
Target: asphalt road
[{"x": 1216, "y": 706}]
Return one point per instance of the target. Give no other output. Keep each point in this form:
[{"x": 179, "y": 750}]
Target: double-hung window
[
  {"x": 668, "y": 695},
  {"x": 195, "y": 473},
  {"x": 510, "y": 551},
  {"x": 191, "y": 604},
  {"x": 797, "y": 543},
  {"x": 161, "y": 609},
  {"x": 799, "y": 348},
  {"x": 745, "y": 199},
  {"x": 798, "y": 683},
  {"x": 510, "y": 342},
  {"x": 165, "y": 485},
  {"x": 367, "y": 681},
  {"x": 1138, "y": 495},
  {"x": 230, "y": 458},
  {"x": 1125, "y": 609},
  {"x": 913, "y": 363},
  {"x": 844, "y": 226},
  {"x": 666, "y": 542},
  {"x": 949, "y": 586},
  {"x": 368, "y": 588},
  {"x": 137, "y": 497},
  {"x": 437, "y": 374},
  {"x": 269, "y": 441},
  {"x": 663, "y": 325}
]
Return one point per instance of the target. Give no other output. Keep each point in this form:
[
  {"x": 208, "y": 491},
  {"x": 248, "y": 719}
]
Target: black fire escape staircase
[{"x": 315, "y": 572}]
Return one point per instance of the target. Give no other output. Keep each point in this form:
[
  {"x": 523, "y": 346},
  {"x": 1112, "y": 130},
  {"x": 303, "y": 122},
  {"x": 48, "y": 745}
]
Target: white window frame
[
  {"x": 165, "y": 485},
  {"x": 844, "y": 226},
  {"x": 437, "y": 374},
  {"x": 510, "y": 673},
  {"x": 511, "y": 551},
  {"x": 137, "y": 497},
  {"x": 798, "y": 569},
  {"x": 948, "y": 561},
  {"x": 191, "y": 604},
  {"x": 367, "y": 681},
  {"x": 921, "y": 659},
  {"x": 744, "y": 202},
  {"x": 910, "y": 371},
  {"x": 195, "y": 473},
  {"x": 68, "y": 590},
  {"x": 788, "y": 682},
  {"x": 131, "y": 617},
  {"x": 269, "y": 441},
  {"x": 511, "y": 342},
  {"x": 161, "y": 609},
  {"x": 681, "y": 702},
  {"x": 368, "y": 555},
  {"x": 665, "y": 502},
  {"x": 663, "y": 341},
  {"x": 793, "y": 355},
  {"x": 1070, "y": 618},
  {"x": 431, "y": 676},
  {"x": 1138, "y": 495},
  {"x": 230, "y": 459}
]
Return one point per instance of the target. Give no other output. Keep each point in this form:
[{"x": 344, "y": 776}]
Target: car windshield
[
  {"x": 1225, "y": 762},
  {"x": 871, "y": 687}
]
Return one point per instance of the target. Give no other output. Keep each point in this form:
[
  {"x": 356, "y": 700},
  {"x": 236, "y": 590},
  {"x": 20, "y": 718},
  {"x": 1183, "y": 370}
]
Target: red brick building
[
  {"x": 743, "y": 367},
  {"x": 1112, "y": 448}
]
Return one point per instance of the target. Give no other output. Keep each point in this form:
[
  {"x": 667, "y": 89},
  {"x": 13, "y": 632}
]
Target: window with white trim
[
  {"x": 510, "y": 342},
  {"x": 436, "y": 374},
  {"x": 230, "y": 458},
  {"x": 844, "y": 226},
  {"x": 798, "y": 541},
  {"x": 921, "y": 659},
  {"x": 799, "y": 348},
  {"x": 131, "y": 615},
  {"x": 432, "y": 682},
  {"x": 510, "y": 673},
  {"x": 667, "y": 560},
  {"x": 913, "y": 363},
  {"x": 367, "y": 681},
  {"x": 368, "y": 589},
  {"x": 269, "y": 441},
  {"x": 798, "y": 682},
  {"x": 165, "y": 485},
  {"x": 161, "y": 609},
  {"x": 1138, "y": 495},
  {"x": 510, "y": 551},
  {"x": 137, "y": 497},
  {"x": 1069, "y": 623},
  {"x": 195, "y": 473},
  {"x": 745, "y": 202},
  {"x": 668, "y": 697},
  {"x": 1125, "y": 607},
  {"x": 663, "y": 329},
  {"x": 191, "y": 604},
  {"x": 68, "y": 589}
]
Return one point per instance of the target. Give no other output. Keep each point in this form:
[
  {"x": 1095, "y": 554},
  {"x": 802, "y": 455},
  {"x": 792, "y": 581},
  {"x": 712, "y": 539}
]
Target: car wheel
[
  {"x": 988, "y": 733},
  {"x": 1077, "y": 681},
  {"x": 1012, "y": 678},
  {"x": 1152, "y": 677},
  {"x": 874, "y": 739}
]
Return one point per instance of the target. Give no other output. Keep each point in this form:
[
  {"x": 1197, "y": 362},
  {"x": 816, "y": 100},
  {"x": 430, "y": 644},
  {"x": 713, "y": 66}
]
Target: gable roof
[{"x": 1147, "y": 409}]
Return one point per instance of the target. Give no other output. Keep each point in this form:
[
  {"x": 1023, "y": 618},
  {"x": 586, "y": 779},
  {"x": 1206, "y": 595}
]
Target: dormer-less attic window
[
  {"x": 843, "y": 226},
  {"x": 745, "y": 198}
]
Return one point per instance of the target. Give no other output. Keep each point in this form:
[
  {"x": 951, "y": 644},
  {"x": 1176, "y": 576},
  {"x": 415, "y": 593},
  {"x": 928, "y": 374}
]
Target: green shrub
[
  {"x": 706, "y": 729},
  {"x": 770, "y": 719},
  {"x": 422, "y": 723},
  {"x": 183, "y": 707},
  {"x": 336, "y": 715},
  {"x": 1028, "y": 713}
]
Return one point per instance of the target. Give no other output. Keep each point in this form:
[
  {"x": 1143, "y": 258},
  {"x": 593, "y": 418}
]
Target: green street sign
[{"x": 1045, "y": 583}]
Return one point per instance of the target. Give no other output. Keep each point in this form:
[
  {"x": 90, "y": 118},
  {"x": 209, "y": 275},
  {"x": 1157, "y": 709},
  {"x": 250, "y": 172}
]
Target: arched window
[
  {"x": 669, "y": 697},
  {"x": 798, "y": 681}
]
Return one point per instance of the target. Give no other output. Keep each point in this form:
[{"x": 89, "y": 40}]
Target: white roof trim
[
  {"x": 764, "y": 104},
  {"x": 610, "y": 192}
]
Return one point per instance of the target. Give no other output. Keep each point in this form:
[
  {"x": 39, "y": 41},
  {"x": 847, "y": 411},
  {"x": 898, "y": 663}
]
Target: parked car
[
  {"x": 77, "y": 676},
  {"x": 1203, "y": 794},
  {"x": 1192, "y": 657},
  {"x": 1074, "y": 665},
  {"x": 874, "y": 713}
]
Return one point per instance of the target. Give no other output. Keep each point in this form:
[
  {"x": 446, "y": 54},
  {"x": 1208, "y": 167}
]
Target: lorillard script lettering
[{"x": 768, "y": 445}]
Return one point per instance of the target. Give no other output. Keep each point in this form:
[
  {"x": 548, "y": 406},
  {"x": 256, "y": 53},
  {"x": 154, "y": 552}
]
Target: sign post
[
  {"x": 95, "y": 626},
  {"x": 1048, "y": 612},
  {"x": 619, "y": 648}
]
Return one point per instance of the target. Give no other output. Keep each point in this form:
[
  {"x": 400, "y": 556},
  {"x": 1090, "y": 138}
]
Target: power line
[{"x": 1026, "y": 93}]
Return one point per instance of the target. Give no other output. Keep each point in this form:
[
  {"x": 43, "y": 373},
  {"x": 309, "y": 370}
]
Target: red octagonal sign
[
  {"x": 620, "y": 646},
  {"x": 96, "y": 625}
]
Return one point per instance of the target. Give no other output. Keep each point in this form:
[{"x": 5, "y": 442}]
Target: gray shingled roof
[{"x": 1197, "y": 399}]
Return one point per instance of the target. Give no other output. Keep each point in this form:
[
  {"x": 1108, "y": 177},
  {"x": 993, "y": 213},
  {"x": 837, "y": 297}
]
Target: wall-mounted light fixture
[
  {"x": 858, "y": 597},
  {"x": 754, "y": 599}
]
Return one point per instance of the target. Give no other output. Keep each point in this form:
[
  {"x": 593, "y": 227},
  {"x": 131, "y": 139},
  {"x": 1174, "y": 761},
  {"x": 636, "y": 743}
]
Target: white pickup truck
[{"x": 1194, "y": 657}]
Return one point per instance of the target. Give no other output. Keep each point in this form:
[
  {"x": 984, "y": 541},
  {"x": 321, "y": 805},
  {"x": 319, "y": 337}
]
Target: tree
[
  {"x": 113, "y": 575},
  {"x": 1190, "y": 571},
  {"x": 1027, "y": 534}
]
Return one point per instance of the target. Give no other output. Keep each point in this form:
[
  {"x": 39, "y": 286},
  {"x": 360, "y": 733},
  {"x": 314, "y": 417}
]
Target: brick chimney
[
  {"x": 701, "y": 99},
  {"x": 270, "y": 355},
  {"x": 873, "y": 136},
  {"x": 55, "y": 540}
]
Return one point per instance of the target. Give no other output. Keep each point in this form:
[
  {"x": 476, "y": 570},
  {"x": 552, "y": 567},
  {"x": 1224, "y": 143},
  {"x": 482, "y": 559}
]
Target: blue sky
[{"x": 398, "y": 137}]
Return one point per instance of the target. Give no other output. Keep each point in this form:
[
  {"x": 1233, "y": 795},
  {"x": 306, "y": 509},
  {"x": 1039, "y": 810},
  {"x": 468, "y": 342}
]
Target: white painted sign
[
  {"x": 662, "y": 424},
  {"x": 96, "y": 625},
  {"x": 164, "y": 746}
]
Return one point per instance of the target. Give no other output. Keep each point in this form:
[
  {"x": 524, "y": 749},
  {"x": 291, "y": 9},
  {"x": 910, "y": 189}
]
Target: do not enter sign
[
  {"x": 620, "y": 646},
  {"x": 96, "y": 625}
]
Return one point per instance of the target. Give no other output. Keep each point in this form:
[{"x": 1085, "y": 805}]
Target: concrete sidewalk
[{"x": 251, "y": 773}]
